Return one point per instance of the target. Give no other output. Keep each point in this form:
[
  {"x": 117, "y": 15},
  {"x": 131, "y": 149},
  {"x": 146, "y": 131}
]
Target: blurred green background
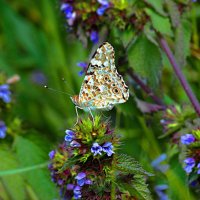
[{"x": 35, "y": 45}]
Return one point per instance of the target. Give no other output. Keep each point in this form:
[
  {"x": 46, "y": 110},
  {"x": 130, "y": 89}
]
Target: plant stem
[
  {"x": 179, "y": 74},
  {"x": 145, "y": 87}
]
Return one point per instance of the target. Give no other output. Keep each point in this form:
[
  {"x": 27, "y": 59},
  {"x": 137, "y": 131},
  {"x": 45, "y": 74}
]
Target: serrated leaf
[
  {"x": 173, "y": 12},
  {"x": 30, "y": 154},
  {"x": 14, "y": 191},
  {"x": 128, "y": 164},
  {"x": 157, "y": 5},
  {"x": 145, "y": 58},
  {"x": 182, "y": 42},
  {"x": 161, "y": 24}
]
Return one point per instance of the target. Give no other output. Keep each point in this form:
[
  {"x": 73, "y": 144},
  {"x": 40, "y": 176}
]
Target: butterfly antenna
[
  {"x": 70, "y": 89},
  {"x": 54, "y": 90}
]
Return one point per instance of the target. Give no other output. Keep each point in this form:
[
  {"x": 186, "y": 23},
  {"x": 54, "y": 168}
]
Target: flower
[
  {"x": 69, "y": 135},
  {"x": 94, "y": 37},
  {"x": 83, "y": 65},
  {"x": 70, "y": 186},
  {"x": 156, "y": 163},
  {"x": 5, "y": 93},
  {"x": 96, "y": 149},
  {"x": 69, "y": 13},
  {"x": 187, "y": 139},
  {"x": 38, "y": 77},
  {"x": 160, "y": 191},
  {"x": 102, "y": 9},
  {"x": 103, "y": 2},
  {"x": 190, "y": 163},
  {"x": 81, "y": 178},
  {"x": 74, "y": 143},
  {"x": 77, "y": 192},
  {"x": 52, "y": 154},
  {"x": 107, "y": 148},
  {"x": 3, "y": 129},
  {"x": 198, "y": 167}
]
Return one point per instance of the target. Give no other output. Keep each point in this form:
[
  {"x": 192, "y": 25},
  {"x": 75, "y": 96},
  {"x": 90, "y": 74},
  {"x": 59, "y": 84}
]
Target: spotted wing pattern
[{"x": 102, "y": 87}]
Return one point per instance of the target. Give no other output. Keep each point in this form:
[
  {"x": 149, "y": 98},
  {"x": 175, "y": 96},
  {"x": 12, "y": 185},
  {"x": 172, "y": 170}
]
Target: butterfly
[{"x": 103, "y": 86}]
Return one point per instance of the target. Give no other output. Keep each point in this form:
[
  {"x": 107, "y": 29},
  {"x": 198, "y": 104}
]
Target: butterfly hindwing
[{"x": 103, "y": 86}]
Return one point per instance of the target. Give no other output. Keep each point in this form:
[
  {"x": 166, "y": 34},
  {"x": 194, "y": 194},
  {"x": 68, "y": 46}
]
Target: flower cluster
[
  {"x": 86, "y": 19},
  {"x": 191, "y": 142},
  {"x": 84, "y": 161},
  {"x": 5, "y": 93}
]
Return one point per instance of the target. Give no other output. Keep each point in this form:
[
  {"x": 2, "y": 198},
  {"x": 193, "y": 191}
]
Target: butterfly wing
[{"x": 103, "y": 86}]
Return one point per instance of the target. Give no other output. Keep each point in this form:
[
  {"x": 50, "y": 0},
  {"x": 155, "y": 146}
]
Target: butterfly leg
[
  {"x": 91, "y": 115},
  {"x": 77, "y": 116}
]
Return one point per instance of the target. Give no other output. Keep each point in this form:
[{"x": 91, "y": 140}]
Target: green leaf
[
  {"x": 182, "y": 42},
  {"x": 145, "y": 58},
  {"x": 30, "y": 154},
  {"x": 128, "y": 164},
  {"x": 173, "y": 12},
  {"x": 13, "y": 185},
  {"x": 157, "y": 5},
  {"x": 161, "y": 24}
]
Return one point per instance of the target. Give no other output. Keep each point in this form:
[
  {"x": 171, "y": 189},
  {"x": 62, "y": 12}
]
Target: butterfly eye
[{"x": 115, "y": 90}]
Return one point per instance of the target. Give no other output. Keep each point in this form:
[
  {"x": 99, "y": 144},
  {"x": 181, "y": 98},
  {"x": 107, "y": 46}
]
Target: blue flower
[
  {"x": 52, "y": 154},
  {"x": 67, "y": 9},
  {"x": 96, "y": 149},
  {"x": 108, "y": 148},
  {"x": 94, "y": 37},
  {"x": 190, "y": 163},
  {"x": 103, "y": 2},
  {"x": 160, "y": 191},
  {"x": 102, "y": 9},
  {"x": 83, "y": 65},
  {"x": 74, "y": 143},
  {"x": 70, "y": 186},
  {"x": 3, "y": 129},
  {"x": 187, "y": 139},
  {"x": 198, "y": 167},
  {"x": 69, "y": 135},
  {"x": 77, "y": 192},
  {"x": 39, "y": 78},
  {"x": 81, "y": 178},
  {"x": 156, "y": 163},
  {"x": 5, "y": 93}
]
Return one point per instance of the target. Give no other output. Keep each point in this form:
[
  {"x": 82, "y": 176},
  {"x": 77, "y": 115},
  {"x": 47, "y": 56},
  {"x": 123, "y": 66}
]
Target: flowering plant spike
[{"x": 94, "y": 169}]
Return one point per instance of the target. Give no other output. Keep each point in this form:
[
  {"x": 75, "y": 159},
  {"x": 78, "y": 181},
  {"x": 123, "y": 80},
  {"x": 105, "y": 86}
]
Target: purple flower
[
  {"x": 108, "y": 148},
  {"x": 38, "y": 77},
  {"x": 187, "y": 139},
  {"x": 94, "y": 37},
  {"x": 74, "y": 143},
  {"x": 96, "y": 149},
  {"x": 103, "y": 2},
  {"x": 77, "y": 192},
  {"x": 160, "y": 191},
  {"x": 190, "y": 163},
  {"x": 69, "y": 13},
  {"x": 102, "y": 9},
  {"x": 198, "y": 167},
  {"x": 83, "y": 65},
  {"x": 52, "y": 154},
  {"x": 3, "y": 129},
  {"x": 69, "y": 135},
  {"x": 5, "y": 93},
  {"x": 70, "y": 186},
  {"x": 156, "y": 163},
  {"x": 81, "y": 178}
]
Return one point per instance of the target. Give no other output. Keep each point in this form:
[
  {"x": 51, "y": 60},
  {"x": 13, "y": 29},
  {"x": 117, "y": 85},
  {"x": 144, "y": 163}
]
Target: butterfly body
[{"x": 102, "y": 87}]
